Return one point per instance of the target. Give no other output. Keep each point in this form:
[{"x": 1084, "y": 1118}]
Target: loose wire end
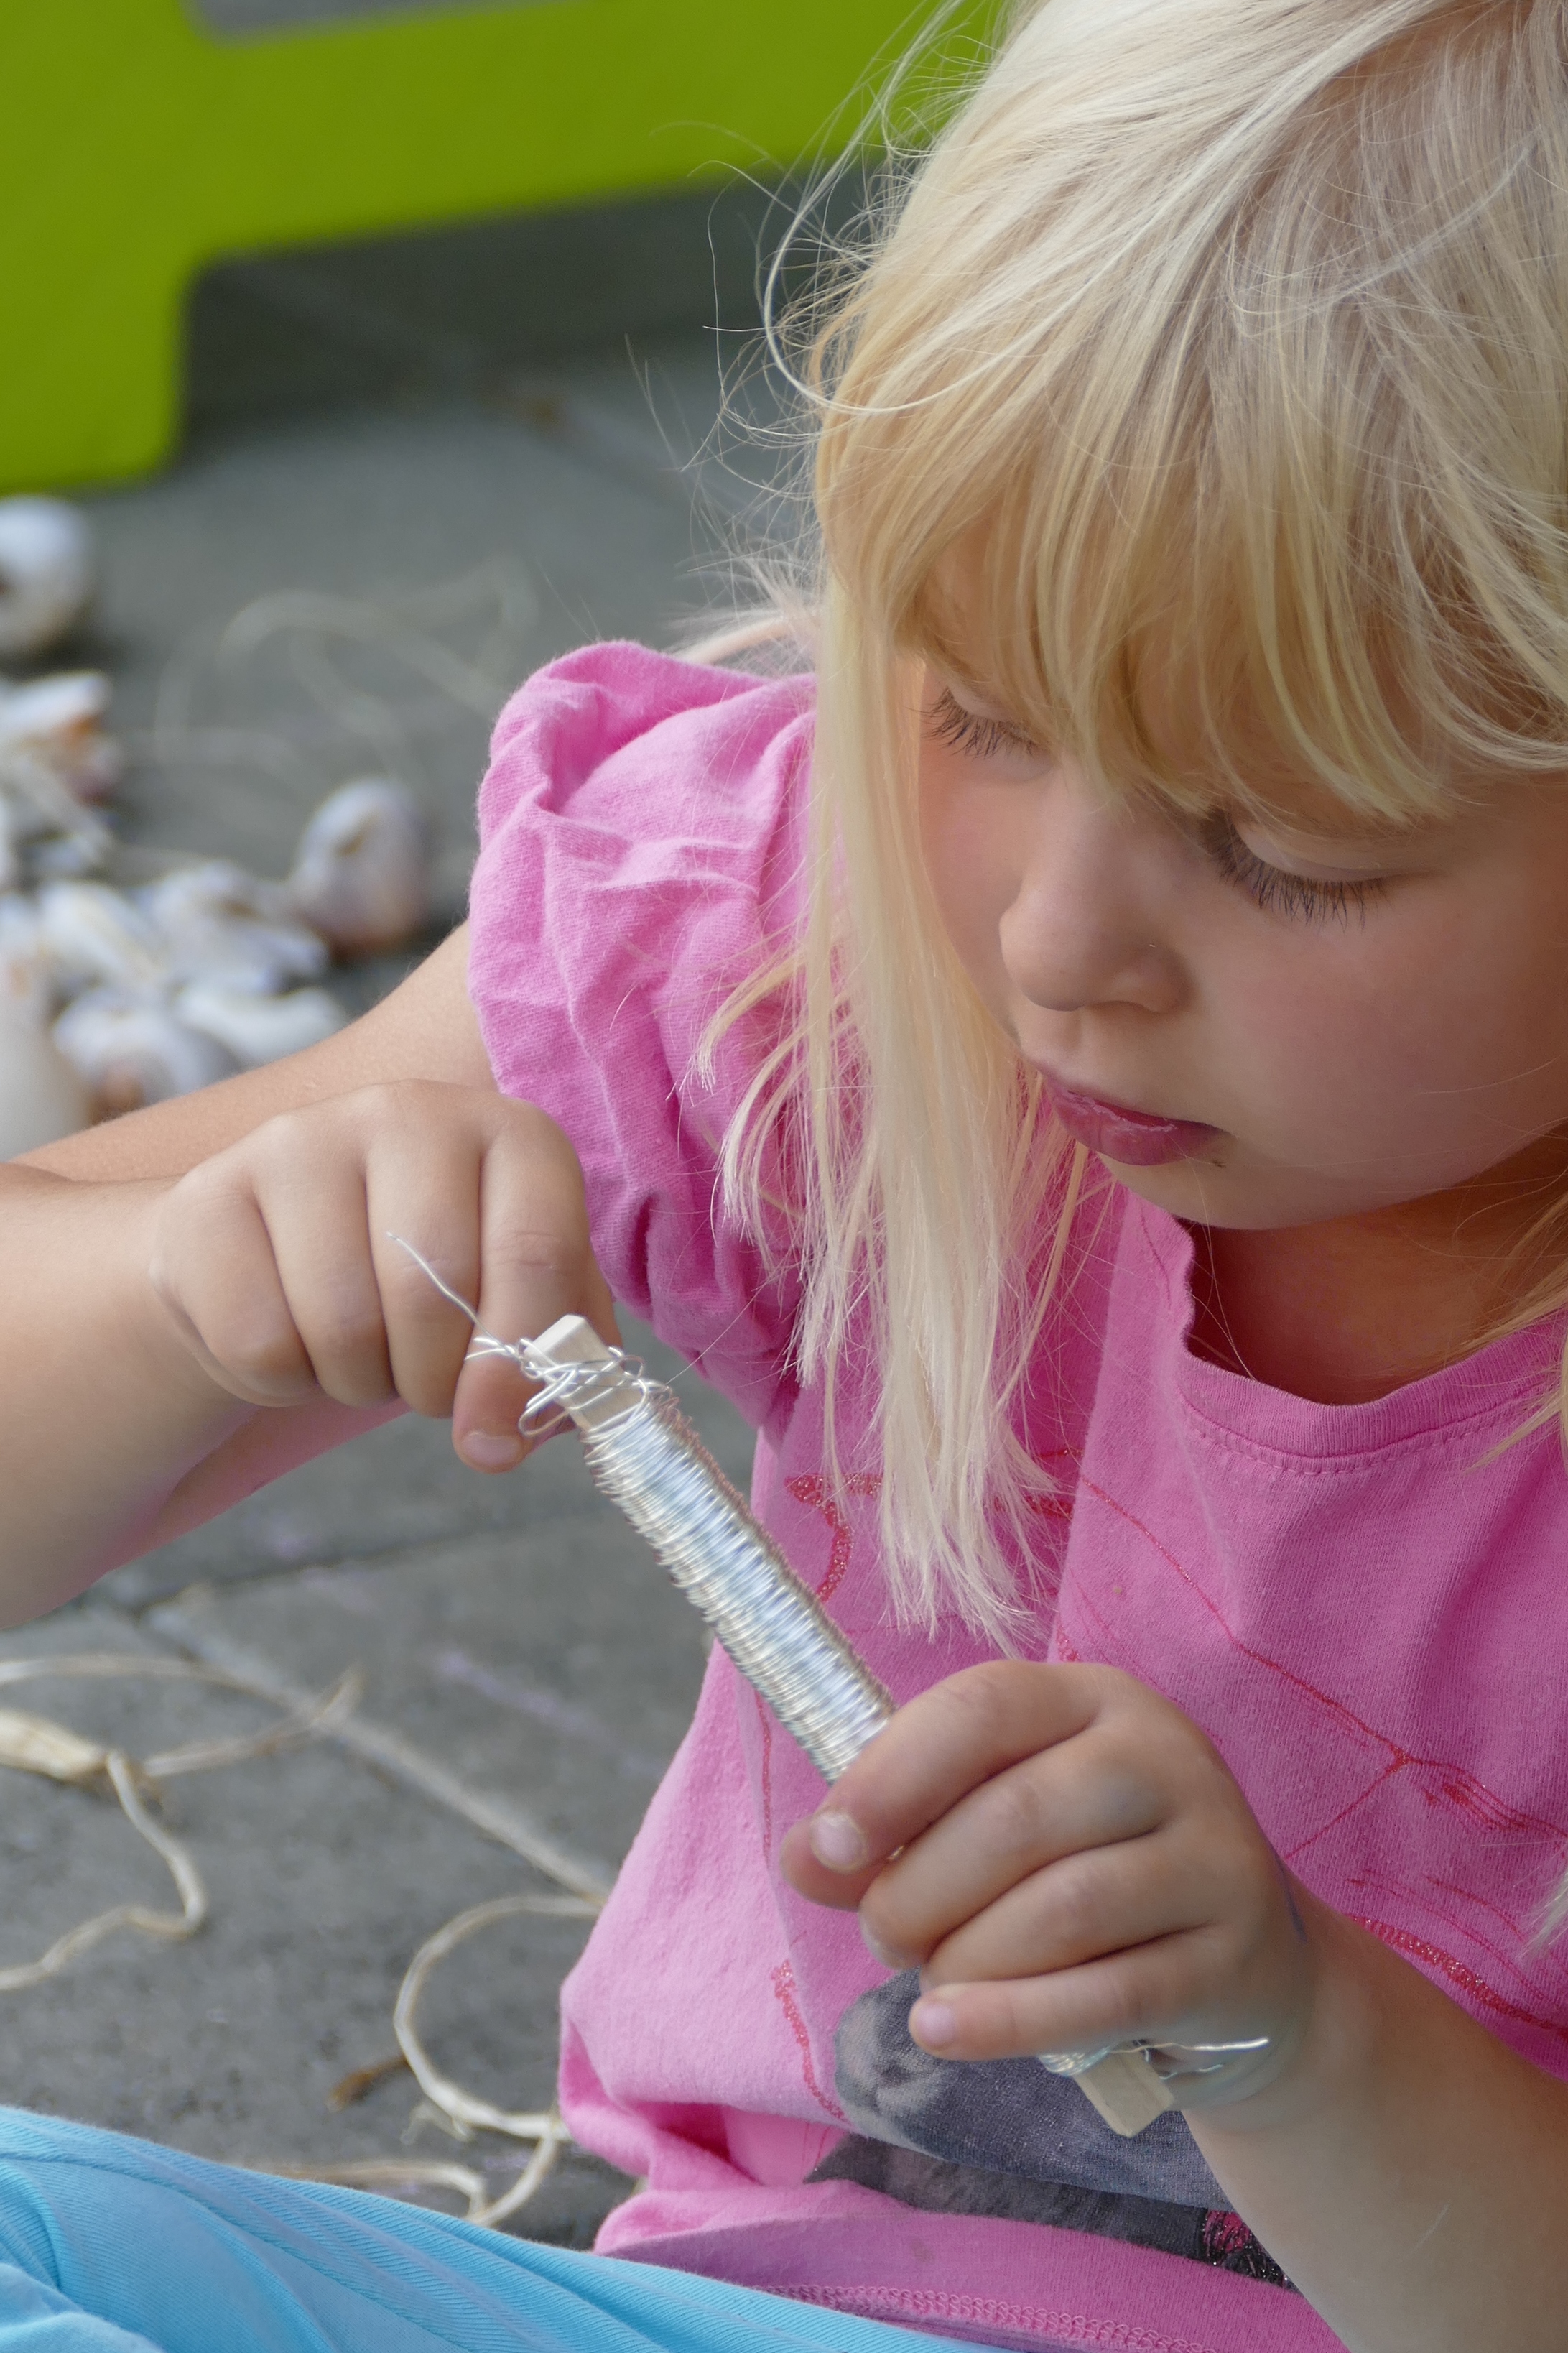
[{"x": 486, "y": 1343}]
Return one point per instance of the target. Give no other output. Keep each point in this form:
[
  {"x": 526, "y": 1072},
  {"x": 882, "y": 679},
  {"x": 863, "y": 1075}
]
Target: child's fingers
[
  {"x": 332, "y": 1187},
  {"x": 276, "y": 1261},
  {"x": 319, "y": 1236},
  {"x": 1157, "y": 1992},
  {"x": 936, "y": 1749},
  {"x": 1094, "y": 1790},
  {"x": 427, "y": 1197},
  {"x": 537, "y": 1264},
  {"x": 213, "y": 1270},
  {"x": 1107, "y": 1900}
]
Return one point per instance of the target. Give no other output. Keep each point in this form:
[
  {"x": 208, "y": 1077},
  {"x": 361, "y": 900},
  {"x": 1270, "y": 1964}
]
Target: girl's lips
[{"x": 1136, "y": 1138}]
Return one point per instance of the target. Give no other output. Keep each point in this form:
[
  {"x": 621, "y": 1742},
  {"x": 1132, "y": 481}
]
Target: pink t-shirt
[{"x": 1362, "y": 1605}]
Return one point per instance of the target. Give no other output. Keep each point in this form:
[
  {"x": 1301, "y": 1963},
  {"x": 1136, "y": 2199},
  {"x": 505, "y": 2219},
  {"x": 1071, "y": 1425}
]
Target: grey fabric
[
  {"x": 1203, "y": 2235},
  {"x": 1004, "y": 2115}
]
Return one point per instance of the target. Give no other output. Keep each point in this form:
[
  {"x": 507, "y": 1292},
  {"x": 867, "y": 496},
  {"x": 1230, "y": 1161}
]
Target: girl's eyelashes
[
  {"x": 1275, "y": 888},
  {"x": 968, "y": 731}
]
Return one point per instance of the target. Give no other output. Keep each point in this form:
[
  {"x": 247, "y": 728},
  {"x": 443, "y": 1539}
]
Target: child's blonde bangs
[{"x": 1247, "y": 378}]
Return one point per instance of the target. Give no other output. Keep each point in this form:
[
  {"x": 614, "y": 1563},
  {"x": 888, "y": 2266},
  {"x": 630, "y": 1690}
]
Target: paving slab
[{"x": 378, "y": 513}]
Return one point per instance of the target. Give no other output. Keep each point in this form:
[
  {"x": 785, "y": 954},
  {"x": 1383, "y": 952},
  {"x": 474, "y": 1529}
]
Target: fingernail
[
  {"x": 934, "y": 2024},
  {"x": 883, "y": 1953},
  {"x": 836, "y": 1841},
  {"x": 488, "y": 1451}
]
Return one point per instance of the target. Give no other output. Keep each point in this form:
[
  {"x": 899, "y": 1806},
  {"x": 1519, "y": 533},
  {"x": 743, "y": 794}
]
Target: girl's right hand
[{"x": 275, "y": 1267}]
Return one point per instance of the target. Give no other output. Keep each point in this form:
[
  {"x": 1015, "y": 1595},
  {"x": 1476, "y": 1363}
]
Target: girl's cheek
[
  {"x": 973, "y": 872},
  {"x": 1393, "y": 1063}
]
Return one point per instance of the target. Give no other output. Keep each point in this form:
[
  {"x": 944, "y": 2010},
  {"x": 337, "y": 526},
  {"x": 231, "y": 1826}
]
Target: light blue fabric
[{"x": 111, "y": 2246}]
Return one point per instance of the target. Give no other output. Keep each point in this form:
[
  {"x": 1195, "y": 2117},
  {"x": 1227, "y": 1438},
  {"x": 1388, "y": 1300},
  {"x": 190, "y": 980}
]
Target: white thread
[{"x": 36, "y": 1744}]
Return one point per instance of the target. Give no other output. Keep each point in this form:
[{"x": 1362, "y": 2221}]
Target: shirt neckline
[{"x": 1501, "y": 1382}]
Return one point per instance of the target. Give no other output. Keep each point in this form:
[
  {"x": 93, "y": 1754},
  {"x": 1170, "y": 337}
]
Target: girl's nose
[{"x": 1088, "y": 925}]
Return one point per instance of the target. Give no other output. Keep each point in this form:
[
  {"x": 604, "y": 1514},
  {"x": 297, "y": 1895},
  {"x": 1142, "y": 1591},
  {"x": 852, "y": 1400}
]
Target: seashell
[
  {"x": 59, "y": 722},
  {"x": 128, "y": 1049},
  {"x": 90, "y": 934},
  {"x": 257, "y": 1030},
  {"x": 41, "y": 1097},
  {"x": 12, "y": 837},
  {"x": 67, "y": 857},
  {"x": 47, "y": 826},
  {"x": 46, "y": 573},
  {"x": 53, "y": 758},
  {"x": 215, "y": 923},
  {"x": 362, "y": 872},
  {"x": 19, "y": 941}
]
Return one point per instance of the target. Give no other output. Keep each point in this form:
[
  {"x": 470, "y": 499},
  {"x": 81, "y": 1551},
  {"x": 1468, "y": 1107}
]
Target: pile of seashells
[{"x": 112, "y": 997}]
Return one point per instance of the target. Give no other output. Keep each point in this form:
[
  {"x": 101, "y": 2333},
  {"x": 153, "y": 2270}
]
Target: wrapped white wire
[{"x": 644, "y": 1454}]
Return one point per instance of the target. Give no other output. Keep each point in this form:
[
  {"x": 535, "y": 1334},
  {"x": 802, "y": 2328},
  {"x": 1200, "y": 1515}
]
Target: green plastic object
[{"x": 139, "y": 147}]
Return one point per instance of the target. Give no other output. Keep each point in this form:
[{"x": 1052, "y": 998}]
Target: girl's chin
[{"x": 1216, "y": 1193}]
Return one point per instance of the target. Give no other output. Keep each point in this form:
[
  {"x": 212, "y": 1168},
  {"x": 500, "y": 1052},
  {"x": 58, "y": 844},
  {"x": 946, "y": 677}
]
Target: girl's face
[{"x": 1316, "y": 1022}]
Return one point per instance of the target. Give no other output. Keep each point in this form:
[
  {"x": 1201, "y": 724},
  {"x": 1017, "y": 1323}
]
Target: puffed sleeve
[{"x": 640, "y": 830}]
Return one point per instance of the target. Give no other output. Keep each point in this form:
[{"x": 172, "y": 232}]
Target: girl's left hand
[{"x": 1067, "y": 1860}]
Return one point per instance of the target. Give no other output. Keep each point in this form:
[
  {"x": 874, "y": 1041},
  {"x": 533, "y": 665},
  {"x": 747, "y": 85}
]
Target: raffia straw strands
[
  {"x": 509, "y": 1825},
  {"x": 172, "y": 1926},
  {"x": 394, "y": 2174},
  {"x": 36, "y": 1744},
  {"x": 449, "y": 2097}
]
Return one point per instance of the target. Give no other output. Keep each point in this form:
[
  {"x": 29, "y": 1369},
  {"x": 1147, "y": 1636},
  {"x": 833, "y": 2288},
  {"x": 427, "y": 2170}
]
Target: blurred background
[{"x": 290, "y": 507}]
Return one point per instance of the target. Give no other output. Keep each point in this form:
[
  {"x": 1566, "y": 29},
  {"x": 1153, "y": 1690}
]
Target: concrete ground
[{"x": 373, "y": 427}]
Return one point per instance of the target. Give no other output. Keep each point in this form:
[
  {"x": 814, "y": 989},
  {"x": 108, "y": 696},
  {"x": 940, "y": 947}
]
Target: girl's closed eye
[
  {"x": 975, "y": 732},
  {"x": 1318, "y": 898}
]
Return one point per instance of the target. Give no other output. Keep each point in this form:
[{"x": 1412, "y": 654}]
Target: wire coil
[{"x": 644, "y": 1456}]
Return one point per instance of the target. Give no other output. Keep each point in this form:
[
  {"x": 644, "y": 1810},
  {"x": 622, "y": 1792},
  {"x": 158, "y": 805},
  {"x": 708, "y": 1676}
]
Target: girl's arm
[
  {"x": 1409, "y": 2172},
  {"x": 1070, "y": 1862},
  {"x": 201, "y": 1294}
]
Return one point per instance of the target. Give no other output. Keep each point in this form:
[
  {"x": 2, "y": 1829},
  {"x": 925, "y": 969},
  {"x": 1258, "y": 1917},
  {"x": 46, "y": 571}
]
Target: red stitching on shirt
[
  {"x": 765, "y": 1717},
  {"x": 1461, "y": 1789},
  {"x": 818, "y": 1494},
  {"x": 1059, "y": 1507},
  {"x": 1458, "y": 1972},
  {"x": 784, "y": 1987}
]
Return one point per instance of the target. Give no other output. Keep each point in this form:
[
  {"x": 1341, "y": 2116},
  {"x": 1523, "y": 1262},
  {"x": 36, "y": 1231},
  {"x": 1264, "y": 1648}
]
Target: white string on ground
[
  {"x": 463, "y": 2107},
  {"x": 408, "y": 628},
  {"x": 394, "y": 2174},
  {"x": 181, "y": 1623},
  {"x": 172, "y": 1926},
  {"x": 34, "y": 1744},
  {"x": 37, "y": 1744},
  {"x": 307, "y": 1717}
]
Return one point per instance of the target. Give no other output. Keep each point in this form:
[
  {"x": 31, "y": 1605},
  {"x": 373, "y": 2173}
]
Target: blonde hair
[{"x": 1226, "y": 342}]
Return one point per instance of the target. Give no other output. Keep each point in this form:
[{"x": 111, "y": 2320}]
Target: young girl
[{"x": 1096, "y": 1094}]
